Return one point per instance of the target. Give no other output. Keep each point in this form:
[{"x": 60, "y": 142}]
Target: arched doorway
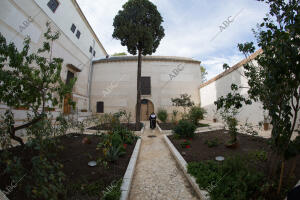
[{"x": 147, "y": 108}]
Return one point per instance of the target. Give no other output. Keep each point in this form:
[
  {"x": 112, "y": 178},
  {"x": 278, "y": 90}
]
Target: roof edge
[
  {"x": 146, "y": 58},
  {"x": 231, "y": 69}
]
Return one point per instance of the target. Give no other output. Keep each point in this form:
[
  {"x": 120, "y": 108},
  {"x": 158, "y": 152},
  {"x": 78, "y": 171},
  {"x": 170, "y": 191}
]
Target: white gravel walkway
[{"x": 157, "y": 176}]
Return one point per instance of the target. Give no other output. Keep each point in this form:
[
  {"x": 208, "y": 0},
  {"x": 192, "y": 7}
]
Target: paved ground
[{"x": 156, "y": 175}]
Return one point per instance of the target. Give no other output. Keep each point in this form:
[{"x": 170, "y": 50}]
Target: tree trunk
[
  {"x": 13, "y": 136},
  {"x": 281, "y": 177},
  {"x": 138, "y": 96}
]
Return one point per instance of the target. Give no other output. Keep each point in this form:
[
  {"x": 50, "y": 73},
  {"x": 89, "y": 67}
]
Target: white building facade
[
  {"x": 114, "y": 83},
  {"x": 77, "y": 44}
]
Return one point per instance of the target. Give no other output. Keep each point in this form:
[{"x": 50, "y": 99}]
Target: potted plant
[
  {"x": 215, "y": 115},
  {"x": 266, "y": 122}
]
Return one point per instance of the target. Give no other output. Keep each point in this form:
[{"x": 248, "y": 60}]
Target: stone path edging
[
  {"x": 3, "y": 196},
  {"x": 203, "y": 195},
  {"x": 127, "y": 179},
  {"x": 163, "y": 131},
  {"x": 198, "y": 130}
]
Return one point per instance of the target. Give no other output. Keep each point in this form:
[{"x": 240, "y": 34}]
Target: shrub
[
  {"x": 112, "y": 144},
  {"x": 196, "y": 113},
  {"x": 185, "y": 129},
  {"x": 212, "y": 143},
  {"x": 185, "y": 144},
  {"x": 162, "y": 115},
  {"x": 236, "y": 179}
]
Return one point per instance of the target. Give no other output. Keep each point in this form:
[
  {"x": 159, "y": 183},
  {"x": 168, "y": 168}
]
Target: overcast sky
[{"x": 192, "y": 28}]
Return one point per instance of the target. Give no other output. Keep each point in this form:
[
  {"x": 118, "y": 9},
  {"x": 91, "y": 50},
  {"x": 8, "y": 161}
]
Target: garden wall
[{"x": 220, "y": 85}]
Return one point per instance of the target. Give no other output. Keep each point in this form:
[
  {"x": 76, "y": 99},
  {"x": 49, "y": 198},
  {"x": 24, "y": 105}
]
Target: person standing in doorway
[{"x": 152, "y": 119}]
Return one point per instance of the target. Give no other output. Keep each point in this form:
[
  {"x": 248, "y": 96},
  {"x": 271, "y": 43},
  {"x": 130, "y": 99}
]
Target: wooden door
[
  {"x": 147, "y": 108},
  {"x": 67, "y": 107}
]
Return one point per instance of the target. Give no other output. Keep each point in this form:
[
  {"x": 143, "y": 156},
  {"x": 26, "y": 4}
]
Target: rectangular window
[
  {"x": 145, "y": 85},
  {"x": 94, "y": 53},
  {"x": 53, "y": 4},
  {"x": 78, "y": 34},
  {"x": 73, "y": 27},
  {"x": 100, "y": 107},
  {"x": 70, "y": 75},
  {"x": 91, "y": 49}
]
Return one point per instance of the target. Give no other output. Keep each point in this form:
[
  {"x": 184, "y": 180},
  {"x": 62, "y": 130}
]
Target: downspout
[{"x": 90, "y": 78}]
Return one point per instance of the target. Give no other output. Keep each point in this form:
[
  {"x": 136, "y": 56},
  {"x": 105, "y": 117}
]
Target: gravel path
[{"x": 157, "y": 175}]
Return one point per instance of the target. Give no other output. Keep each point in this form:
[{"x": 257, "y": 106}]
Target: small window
[
  {"x": 91, "y": 49},
  {"x": 70, "y": 76},
  {"x": 73, "y": 27},
  {"x": 94, "y": 53},
  {"x": 100, "y": 107},
  {"x": 146, "y": 85},
  {"x": 53, "y": 4},
  {"x": 78, "y": 34}
]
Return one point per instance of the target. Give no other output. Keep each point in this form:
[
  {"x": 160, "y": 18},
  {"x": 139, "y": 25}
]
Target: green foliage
[
  {"x": 234, "y": 179},
  {"x": 138, "y": 26},
  {"x": 119, "y": 54},
  {"x": 196, "y": 113},
  {"x": 44, "y": 178},
  {"x": 203, "y": 74},
  {"x": 293, "y": 148},
  {"x": 31, "y": 80},
  {"x": 162, "y": 115},
  {"x": 85, "y": 187},
  {"x": 275, "y": 81},
  {"x": 229, "y": 107},
  {"x": 127, "y": 136},
  {"x": 185, "y": 144},
  {"x": 112, "y": 144},
  {"x": 259, "y": 155},
  {"x": 113, "y": 191},
  {"x": 183, "y": 101},
  {"x": 47, "y": 179},
  {"x": 174, "y": 116},
  {"x": 212, "y": 143},
  {"x": 185, "y": 129},
  {"x": 225, "y": 66}
]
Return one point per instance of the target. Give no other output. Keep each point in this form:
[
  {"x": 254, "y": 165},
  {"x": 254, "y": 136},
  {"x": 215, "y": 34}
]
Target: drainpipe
[{"x": 90, "y": 78}]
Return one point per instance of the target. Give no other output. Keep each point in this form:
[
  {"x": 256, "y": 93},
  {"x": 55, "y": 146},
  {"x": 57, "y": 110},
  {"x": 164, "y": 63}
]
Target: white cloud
[
  {"x": 189, "y": 27},
  {"x": 214, "y": 65}
]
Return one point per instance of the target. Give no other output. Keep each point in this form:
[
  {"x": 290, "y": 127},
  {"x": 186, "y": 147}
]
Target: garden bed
[
  {"x": 107, "y": 126},
  {"x": 206, "y": 146},
  {"x": 82, "y": 181},
  {"x": 171, "y": 126}
]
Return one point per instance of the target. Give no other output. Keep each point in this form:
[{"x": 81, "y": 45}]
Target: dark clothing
[
  {"x": 152, "y": 122},
  {"x": 294, "y": 194}
]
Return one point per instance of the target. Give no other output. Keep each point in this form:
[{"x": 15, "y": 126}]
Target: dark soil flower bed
[
  {"x": 171, "y": 126},
  {"x": 82, "y": 181},
  {"x": 107, "y": 126},
  {"x": 206, "y": 146}
]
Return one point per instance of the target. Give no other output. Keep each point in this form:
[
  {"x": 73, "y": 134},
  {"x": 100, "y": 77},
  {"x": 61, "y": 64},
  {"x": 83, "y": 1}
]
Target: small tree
[
  {"x": 229, "y": 107},
  {"x": 183, "y": 101},
  {"x": 30, "y": 80},
  {"x": 203, "y": 74},
  {"x": 138, "y": 26},
  {"x": 275, "y": 81}
]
